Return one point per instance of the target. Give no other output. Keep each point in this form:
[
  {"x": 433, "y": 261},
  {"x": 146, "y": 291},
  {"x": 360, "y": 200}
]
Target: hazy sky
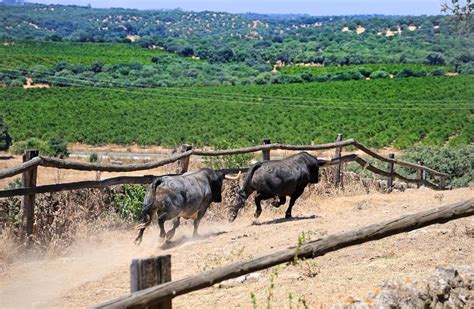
[{"x": 313, "y": 7}]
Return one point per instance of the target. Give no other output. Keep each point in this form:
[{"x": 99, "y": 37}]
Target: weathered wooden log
[
  {"x": 271, "y": 147},
  {"x": 390, "y": 171},
  {"x": 64, "y": 164},
  {"x": 380, "y": 172},
  {"x": 337, "y": 170},
  {"x": 15, "y": 170},
  {"x": 183, "y": 164},
  {"x": 150, "y": 272},
  {"x": 28, "y": 179},
  {"x": 79, "y": 185},
  {"x": 399, "y": 162},
  {"x": 311, "y": 249},
  {"x": 266, "y": 152}
]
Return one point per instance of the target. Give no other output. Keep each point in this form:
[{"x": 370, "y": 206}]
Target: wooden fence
[
  {"x": 160, "y": 296},
  {"x": 31, "y": 161}
]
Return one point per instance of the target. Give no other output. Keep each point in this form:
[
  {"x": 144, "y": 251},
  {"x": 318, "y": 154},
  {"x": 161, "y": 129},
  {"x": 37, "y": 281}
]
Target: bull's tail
[
  {"x": 150, "y": 197},
  {"x": 147, "y": 206},
  {"x": 245, "y": 191}
]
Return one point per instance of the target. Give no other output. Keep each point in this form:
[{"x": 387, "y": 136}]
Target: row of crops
[
  {"x": 28, "y": 53},
  {"x": 392, "y": 68},
  {"x": 432, "y": 110}
]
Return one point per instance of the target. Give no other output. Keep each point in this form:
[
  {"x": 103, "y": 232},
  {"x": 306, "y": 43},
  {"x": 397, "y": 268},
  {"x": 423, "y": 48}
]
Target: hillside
[{"x": 223, "y": 37}]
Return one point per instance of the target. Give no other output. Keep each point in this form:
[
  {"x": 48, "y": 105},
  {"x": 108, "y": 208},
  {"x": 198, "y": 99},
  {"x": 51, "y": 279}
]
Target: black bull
[
  {"x": 286, "y": 177},
  {"x": 187, "y": 196}
]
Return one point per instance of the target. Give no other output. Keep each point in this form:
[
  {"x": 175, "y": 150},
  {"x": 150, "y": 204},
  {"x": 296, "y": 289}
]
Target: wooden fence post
[
  {"x": 28, "y": 179},
  {"x": 266, "y": 153},
  {"x": 145, "y": 273},
  {"x": 390, "y": 172},
  {"x": 420, "y": 174},
  {"x": 442, "y": 182},
  {"x": 339, "y": 178},
  {"x": 183, "y": 164}
]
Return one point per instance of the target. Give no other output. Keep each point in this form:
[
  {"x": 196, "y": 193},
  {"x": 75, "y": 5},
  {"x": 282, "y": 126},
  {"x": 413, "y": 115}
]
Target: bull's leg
[
  {"x": 147, "y": 217},
  {"x": 161, "y": 224},
  {"x": 293, "y": 199},
  {"x": 259, "y": 197},
  {"x": 200, "y": 215},
  {"x": 171, "y": 232}
]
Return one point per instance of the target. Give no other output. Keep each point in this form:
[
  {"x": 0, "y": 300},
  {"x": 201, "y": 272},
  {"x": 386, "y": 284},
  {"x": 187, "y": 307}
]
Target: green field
[
  {"x": 391, "y": 68},
  {"x": 29, "y": 53},
  {"x": 379, "y": 113}
]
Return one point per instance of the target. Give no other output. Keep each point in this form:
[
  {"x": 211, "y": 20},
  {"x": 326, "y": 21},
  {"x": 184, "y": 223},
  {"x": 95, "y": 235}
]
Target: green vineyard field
[
  {"x": 391, "y": 68},
  {"x": 398, "y": 112},
  {"x": 29, "y": 53}
]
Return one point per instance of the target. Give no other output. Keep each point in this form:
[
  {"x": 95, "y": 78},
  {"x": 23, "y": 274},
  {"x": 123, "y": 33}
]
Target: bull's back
[
  {"x": 186, "y": 192},
  {"x": 279, "y": 177}
]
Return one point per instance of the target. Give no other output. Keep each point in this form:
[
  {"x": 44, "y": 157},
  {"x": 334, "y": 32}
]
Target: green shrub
[
  {"x": 458, "y": 162},
  {"x": 5, "y": 138},
  {"x": 19, "y": 148},
  {"x": 129, "y": 203},
  {"x": 93, "y": 157},
  {"x": 54, "y": 147},
  {"x": 379, "y": 75},
  {"x": 438, "y": 72},
  {"x": 58, "y": 147}
]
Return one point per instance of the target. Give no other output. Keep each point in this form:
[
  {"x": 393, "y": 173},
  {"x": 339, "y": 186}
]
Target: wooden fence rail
[
  {"x": 64, "y": 164},
  {"x": 319, "y": 247},
  {"x": 131, "y": 180},
  {"x": 29, "y": 167}
]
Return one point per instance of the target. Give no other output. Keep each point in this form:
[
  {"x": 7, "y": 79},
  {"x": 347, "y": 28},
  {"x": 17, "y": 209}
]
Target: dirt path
[{"x": 97, "y": 271}]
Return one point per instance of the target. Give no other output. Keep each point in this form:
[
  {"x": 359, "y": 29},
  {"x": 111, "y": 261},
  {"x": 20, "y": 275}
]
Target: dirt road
[{"x": 96, "y": 270}]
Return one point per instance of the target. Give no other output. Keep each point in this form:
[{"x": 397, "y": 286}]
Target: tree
[
  {"x": 5, "y": 138},
  {"x": 436, "y": 59},
  {"x": 462, "y": 10}
]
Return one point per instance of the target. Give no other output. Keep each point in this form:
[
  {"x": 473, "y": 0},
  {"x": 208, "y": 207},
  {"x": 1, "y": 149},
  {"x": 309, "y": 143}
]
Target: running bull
[
  {"x": 184, "y": 196},
  {"x": 286, "y": 177}
]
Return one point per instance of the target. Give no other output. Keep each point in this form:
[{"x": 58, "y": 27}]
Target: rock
[
  {"x": 239, "y": 280},
  {"x": 447, "y": 287}
]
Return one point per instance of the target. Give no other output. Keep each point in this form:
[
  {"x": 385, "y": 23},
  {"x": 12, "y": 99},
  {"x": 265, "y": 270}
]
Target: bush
[
  {"x": 129, "y": 203},
  {"x": 438, "y": 72},
  {"x": 406, "y": 72},
  {"x": 58, "y": 147},
  {"x": 379, "y": 75},
  {"x": 5, "y": 138},
  {"x": 458, "y": 162},
  {"x": 93, "y": 157},
  {"x": 19, "y": 148}
]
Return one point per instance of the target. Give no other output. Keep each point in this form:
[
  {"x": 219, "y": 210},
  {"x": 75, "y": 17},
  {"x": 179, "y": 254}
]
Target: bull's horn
[{"x": 233, "y": 178}]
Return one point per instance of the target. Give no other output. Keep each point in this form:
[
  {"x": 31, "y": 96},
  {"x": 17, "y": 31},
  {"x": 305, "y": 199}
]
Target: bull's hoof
[
  {"x": 137, "y": 241},
  {"x": 288, "y": 216},
  {"x": 232, "y": 217},
  {"x": 257, "y": 214}
]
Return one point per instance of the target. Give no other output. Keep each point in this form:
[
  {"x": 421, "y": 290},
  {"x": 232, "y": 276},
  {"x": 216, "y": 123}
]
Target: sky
[{"x": 312, "y": 7}]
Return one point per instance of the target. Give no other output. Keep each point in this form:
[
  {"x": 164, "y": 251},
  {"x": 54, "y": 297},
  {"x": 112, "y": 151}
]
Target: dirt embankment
[{"x": 97, "y": 269}]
